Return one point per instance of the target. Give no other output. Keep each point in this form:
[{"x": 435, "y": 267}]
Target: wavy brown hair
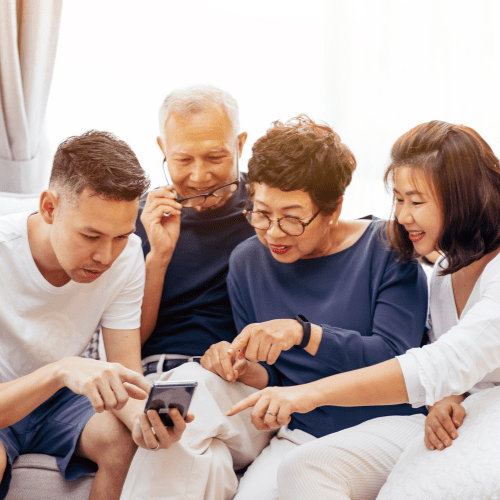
[
  {"x": 465, "y": 176},
  {"x": 303, "y": 155}
]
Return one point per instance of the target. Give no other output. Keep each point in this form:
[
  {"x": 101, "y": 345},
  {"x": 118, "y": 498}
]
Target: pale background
[{"x": 372, "y": 69}]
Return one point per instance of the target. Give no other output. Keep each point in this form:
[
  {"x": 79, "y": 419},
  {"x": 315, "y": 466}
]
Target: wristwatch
[{"x": 306, "y": 327}]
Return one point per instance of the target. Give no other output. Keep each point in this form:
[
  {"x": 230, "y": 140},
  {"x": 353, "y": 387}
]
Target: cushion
[
  {"x": 37, "y": 477},
  {"x": 468, "y": 470}
]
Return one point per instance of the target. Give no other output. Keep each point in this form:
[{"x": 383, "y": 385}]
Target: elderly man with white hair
[{"x": 189, "y": 229}]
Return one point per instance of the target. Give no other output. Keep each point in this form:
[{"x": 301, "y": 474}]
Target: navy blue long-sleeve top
[
  {"x": 371, "y": 308},
  {"x": 194, "y": 309}
]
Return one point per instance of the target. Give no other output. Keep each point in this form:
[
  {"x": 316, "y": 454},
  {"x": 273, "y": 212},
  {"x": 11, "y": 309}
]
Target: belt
[{"x": 168, "y": 364}]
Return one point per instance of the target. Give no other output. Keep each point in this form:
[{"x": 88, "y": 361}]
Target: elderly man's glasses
[
  {"x": 200, "y": 199},
  {"x": 289, "y": 225}
]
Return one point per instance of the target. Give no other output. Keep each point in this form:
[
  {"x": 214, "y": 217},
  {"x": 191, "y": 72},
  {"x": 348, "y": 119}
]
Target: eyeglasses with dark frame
[
  {"x": 288, "y": 224},
  {"x": 217, "y": 193}
]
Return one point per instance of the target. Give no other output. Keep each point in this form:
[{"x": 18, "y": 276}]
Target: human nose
[
  {"x": 404, "y": 216},
  {"x": 199, "y": 172},
  {"x": 274, "y": 229},
  {"x": 104, "y": 254}
]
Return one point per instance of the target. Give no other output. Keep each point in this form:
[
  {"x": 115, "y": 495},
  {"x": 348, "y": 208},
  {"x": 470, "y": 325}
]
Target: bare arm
[
  {"x": 381, "y": 384},
  {"x": 123, "y": 346},
  {"x": 107, "y": 385},
  {"x": 163, "y": 233}
]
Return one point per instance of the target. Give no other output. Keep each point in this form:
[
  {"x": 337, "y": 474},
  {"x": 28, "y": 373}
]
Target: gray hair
[{"x": 197, "y": 99}]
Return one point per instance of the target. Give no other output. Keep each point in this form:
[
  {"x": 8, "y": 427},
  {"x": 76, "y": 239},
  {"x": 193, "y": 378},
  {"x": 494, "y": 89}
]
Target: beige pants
[{"x": 201, "y": 465}]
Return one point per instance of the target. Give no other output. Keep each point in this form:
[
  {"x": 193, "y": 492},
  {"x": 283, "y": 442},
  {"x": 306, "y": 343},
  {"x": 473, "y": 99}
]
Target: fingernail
[
  {"x": 454, "y": 436},
  {"x": 433, "y": 448},
  {"x": 230, "y": 351},
  {"x": 229, "y": 376},
  {"x": 447, "y": 443},
  {"x": 440, "y": 446},
  {"x": 456, "y": 422}
]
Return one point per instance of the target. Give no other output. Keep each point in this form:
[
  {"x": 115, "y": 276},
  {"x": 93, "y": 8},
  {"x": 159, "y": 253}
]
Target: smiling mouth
[
  {"x": 203, "y": 190},
  {"x": 279, "y": 249},
  {"x": 416, "y": 236}
]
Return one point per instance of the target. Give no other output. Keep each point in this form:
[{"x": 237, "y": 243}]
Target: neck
[{"x": 43, "y": 253}]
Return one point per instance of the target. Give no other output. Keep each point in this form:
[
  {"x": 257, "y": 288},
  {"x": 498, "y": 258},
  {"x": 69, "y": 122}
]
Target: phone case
[{"x": 167, "y": 395}]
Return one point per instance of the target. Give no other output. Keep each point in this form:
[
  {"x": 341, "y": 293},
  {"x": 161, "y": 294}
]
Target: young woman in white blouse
[{"x": 446, "y": 183}]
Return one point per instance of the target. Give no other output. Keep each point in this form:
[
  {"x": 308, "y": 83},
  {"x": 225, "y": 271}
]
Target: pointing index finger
[
  {"x": 244, "y": 404},
  {"x": 239, "y": 344}
]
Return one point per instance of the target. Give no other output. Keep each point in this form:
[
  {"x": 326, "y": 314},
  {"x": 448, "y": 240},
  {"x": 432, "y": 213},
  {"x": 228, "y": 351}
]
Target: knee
[{"x": 118, "y": 447}]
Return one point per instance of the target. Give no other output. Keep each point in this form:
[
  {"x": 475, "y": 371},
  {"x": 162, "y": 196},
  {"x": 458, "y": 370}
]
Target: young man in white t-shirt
[{"x": 63, "y": 269}]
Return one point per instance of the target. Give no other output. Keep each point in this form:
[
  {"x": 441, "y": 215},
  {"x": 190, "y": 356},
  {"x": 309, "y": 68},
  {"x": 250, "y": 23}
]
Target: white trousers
[
  {"x": 349, "y": 464},
  {"x": 201, "y": 465}
]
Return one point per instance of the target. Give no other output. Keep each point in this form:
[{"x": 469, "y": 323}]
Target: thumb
[{"x": 458, "y": 415}]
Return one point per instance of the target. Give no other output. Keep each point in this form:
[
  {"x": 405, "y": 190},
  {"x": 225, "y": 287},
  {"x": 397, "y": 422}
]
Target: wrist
[
  {"x": 59, "y": 372},
  {"x": 158, "y": 260}
]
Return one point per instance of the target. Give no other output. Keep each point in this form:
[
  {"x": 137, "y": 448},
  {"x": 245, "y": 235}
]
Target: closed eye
[{"x": 90, "y": 237}]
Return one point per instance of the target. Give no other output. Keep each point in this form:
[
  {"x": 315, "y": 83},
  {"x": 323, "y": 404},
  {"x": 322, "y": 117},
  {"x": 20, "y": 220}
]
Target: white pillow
[
  {"x": 468, "y": 470},
  {"x": 11, "y": 203}
]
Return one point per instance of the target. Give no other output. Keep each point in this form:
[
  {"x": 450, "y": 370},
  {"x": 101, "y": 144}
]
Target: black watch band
[{"x": 306, "y": 327}]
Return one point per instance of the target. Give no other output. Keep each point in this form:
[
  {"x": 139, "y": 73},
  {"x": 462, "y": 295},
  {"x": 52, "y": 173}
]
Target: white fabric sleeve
[
  {"x": 415, "y": 390},
  {"x": 124, "y": 313},
  {"x": 466, "y": 353}
]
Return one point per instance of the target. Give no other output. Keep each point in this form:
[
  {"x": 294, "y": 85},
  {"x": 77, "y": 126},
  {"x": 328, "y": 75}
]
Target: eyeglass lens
[{"x": 289, "y": 225}]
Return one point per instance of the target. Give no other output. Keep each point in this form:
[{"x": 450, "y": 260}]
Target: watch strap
[{"x": 306, "y": 328}]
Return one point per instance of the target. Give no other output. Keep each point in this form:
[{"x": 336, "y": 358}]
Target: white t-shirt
[
  {"x": 465, "y": 355},
  {"x": 41, "y": 323}
]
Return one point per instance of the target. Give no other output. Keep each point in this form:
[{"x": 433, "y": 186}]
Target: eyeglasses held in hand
[
  {"x": 292, "y": 226},
  {"x": 217, "y": 193}
]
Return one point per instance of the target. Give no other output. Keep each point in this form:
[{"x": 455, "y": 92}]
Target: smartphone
[{"x": 166, "y": 395}]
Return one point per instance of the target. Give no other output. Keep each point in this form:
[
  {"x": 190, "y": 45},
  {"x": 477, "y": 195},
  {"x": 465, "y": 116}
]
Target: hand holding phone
[{"x": 165, "y": 395}]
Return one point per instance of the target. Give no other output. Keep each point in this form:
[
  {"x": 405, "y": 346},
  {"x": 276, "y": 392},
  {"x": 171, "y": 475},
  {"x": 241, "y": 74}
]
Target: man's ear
[
  {"x": 49, "y": 201},
  {"x": 242, "y": 138},
  {"x": 162, "y": 146}
]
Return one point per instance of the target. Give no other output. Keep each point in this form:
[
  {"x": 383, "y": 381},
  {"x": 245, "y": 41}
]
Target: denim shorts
[{"x": 51, "y": 429}]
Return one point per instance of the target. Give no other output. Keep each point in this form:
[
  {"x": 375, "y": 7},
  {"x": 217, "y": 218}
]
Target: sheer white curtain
[{"x": 28, "y": 40}]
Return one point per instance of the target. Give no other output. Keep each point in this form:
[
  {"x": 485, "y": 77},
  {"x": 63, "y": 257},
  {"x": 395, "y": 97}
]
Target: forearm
[
  {"x": 255, "y": 376},
  {"x": 20, "y": 397},
  {"x": 156, "y": 267},
  {"x": 381, "y": 384}
]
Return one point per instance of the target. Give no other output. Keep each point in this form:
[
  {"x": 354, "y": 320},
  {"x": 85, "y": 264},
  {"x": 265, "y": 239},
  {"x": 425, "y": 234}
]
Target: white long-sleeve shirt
[{"x": 465, "y": 352}]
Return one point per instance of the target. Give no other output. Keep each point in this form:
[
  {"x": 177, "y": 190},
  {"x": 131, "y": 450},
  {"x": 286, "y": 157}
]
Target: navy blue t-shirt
[
  {"x": 194, "y": 310},
  {"x": 371, "y": 308}
]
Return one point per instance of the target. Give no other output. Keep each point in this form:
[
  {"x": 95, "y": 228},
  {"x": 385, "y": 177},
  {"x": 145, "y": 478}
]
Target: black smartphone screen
[{"x": 167, "y": 395}]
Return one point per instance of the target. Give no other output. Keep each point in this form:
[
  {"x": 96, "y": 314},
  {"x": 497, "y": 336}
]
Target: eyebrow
[
  {"x": 289, "y": 207},
  {"x": 408, "y": 193},
  {"x": 90, "y": 229},
  {"x": 215, "y": 150}
]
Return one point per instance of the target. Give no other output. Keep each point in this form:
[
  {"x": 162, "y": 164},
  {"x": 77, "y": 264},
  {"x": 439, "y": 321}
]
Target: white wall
[{"x": 372, "y": 69}]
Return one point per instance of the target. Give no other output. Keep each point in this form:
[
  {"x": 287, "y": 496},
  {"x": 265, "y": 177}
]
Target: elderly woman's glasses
[
  {"x": 200, "y": 199},
  {"x": 289, "y": 225}
]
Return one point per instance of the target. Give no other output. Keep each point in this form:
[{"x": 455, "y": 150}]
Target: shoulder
[
  {"x": 132, "y": 252},
  {"x": 11, "y": 226},
  {"x": 247, "y": 251}
]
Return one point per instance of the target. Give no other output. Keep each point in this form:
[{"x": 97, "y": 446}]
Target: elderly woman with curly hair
[{"x": 312, "y": 296}]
